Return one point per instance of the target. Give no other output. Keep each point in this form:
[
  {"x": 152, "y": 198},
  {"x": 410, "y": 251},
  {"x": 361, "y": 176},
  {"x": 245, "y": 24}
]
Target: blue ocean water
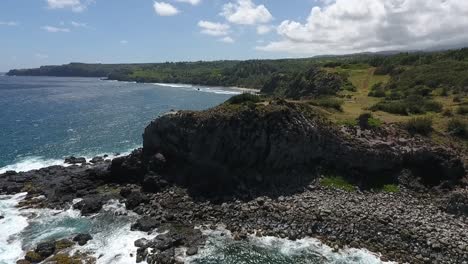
[{"x": 44, "y": 119}]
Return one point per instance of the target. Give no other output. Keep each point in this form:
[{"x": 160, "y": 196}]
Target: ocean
[{"x": 45, "y": 119}]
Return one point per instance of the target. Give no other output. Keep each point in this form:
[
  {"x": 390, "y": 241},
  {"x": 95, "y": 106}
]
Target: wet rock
[
  {"x": 33, "y": 257},
  {"x": 82, "y": 239},
  {"x": 141, "y": 243},
  {"x": 45, "y": 249},
  {"x": 1, "y": 217},
  {"x": 89, "y": 205},
  {"x": 165, "y": 257},
  {"x": 63, "y": 244},
  {"x": 191, "y": 251},
  {"x": 74, "y": 160},
  {"x": 145, "y": 224},
  {"x": 23, "y": 261},
  {"x": 96, "y": 160}
]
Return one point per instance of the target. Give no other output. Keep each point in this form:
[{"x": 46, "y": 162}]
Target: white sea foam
[
  {"x": 175, "y": 85},
  {"x": 10, "y": 227},
  {"x": 31, "y": 163},
  {"x": 35, "y": 163},
  {"x": 280, "y": 249}
]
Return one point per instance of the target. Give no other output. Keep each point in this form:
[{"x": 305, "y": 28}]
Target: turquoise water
[{"x": 44, "y": 119}]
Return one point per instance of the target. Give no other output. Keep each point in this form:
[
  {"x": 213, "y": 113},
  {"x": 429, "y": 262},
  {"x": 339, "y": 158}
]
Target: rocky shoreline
[{"x": 257, "y": 169}]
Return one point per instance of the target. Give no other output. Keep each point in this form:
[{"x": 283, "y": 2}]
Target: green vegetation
[
  {"x": 457, "y": 127},
  {"x": 413, "y": 104},
  {"x": 328, "y": 103},
  {"x": 337, "y": 182},
  {"x": 391, "y": 188},
  {"x": 462, "y": 110},
  {"x": 368, "y": 121},
  {"x": 419, "y": 125},
  {"x": 244, "y": 98}
]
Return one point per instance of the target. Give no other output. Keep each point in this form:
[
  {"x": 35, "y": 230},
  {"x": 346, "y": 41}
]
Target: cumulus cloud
[
  {"x": 245, "y": 12},
  {"x": 52, "y": 29},
  {"x": 165, "y": 9},
  {"x": 213, "y": 29},
  {"x": 264, "y": 29},
  {"x": 344, "y": 26},
  {"x": 227, "y": 40},
  {"x": 74, "y": 5},
  {"x": 8, "y": 23},
  {"x": 192, "y": 2}
]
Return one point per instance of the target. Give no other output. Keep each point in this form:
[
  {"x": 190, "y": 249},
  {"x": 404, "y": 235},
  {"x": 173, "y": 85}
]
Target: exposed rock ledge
[{"x": 284, "y": 143}]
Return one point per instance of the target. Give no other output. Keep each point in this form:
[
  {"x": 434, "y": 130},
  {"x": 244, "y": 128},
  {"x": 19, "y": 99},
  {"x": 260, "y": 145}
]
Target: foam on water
[
  {"x": 273, "y": 250},
  {"x": 35, "y": 163},
  {"x": 113, "y": 241},
  {"x": 10, "y": 227}
]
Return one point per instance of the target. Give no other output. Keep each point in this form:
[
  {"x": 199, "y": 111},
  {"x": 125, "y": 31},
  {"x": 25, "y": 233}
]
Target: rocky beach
[{"x": 257, "y": 170}]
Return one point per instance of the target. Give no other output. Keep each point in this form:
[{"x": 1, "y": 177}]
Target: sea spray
[
  {"x": 112, "y": 238},
  {"x": 222, "y": 248},
  {"x": 11, "y": 224}
]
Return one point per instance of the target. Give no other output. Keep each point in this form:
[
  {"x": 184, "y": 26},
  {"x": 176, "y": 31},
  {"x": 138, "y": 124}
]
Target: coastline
[{"x": 418, "y": 223}]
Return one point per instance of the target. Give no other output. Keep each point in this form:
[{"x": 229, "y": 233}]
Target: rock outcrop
[{"x": 281, "y": 143}]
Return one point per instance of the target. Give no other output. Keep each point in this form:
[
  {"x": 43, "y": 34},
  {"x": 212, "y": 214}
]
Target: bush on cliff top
[
  {"x": 419, "y": 125},
  {"x": 457, "y": 127},
  {"x": 328, "y": 103},
  {"x": 244, "y": 98}
]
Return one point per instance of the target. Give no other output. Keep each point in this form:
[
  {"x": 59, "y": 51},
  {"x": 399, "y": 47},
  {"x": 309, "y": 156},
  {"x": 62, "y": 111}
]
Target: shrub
[
  {"x": 244, "y": 98},
  {"x": 377, "y": 90},
  {"x": 447, "y": 112},
  {"x": 419, "y": 125},
  {"x": 462, "y": 110},
  {"x": 457, "y": 99},
  {"x": 328, "y": 103},
  {"x": 411, "y": 105},
  {"x": 457, "y": 127},
  {"x": 367, "y": 121}
]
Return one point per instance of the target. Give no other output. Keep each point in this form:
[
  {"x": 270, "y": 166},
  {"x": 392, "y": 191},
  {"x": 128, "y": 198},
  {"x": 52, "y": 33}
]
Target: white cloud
[
  {"x": 227, "y": 40},
  {"x": 165, "y": 9},
  {"x": 264, "y": 29},
  {"x": 124, "y": 42},
  {"x": 74, "y": 5},
  {"x": 345, "y": 26},
  {"x": 8, "y": 23},
  {"x": 245, "y": 12},
  {"x": 78, "y": 24},
  {"x": 213, "y": 29},
  {"x": 52, "y": 29},
  {"x": 41, "y": 56},
  {"x": 192, "y": 2}
]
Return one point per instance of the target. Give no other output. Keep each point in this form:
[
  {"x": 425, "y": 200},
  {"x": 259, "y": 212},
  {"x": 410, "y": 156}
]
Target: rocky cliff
[{"x": 277, "y": 143}]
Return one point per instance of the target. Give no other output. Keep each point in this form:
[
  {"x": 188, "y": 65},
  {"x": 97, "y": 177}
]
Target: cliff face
[{"x": 282, "y": 143}]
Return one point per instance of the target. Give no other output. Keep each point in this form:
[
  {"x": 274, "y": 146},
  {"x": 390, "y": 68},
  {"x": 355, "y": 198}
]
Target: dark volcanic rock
[
  {"x": 129, "y": 168},
  {"x": 74, "y": 160},
  {"x": 45, "y": 249},
  {"x": 457, "y": 202},
  {"x": 145, "y": 224},
  {"x": 82, "y": 239},
  {"x": 89, "y": 205},
  {"x": 134, "y": 199},
  {"x": 279, "y": 143}
]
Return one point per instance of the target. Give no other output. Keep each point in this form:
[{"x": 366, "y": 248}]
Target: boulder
[
  {"x": 128, "y": 169},
  {"x": 82, "y": 239},
  {"x": 89, "y": 205},
  {"x": 146, "y": 224},
  {"x": 45, "y": 249},
  {"x": 74, "y": 160},
  {"x": 134, "y": 199}
]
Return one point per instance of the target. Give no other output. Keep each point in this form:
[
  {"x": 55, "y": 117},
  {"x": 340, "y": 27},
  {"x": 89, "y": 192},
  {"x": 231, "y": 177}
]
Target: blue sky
[{"x": 44, "y": 32}]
